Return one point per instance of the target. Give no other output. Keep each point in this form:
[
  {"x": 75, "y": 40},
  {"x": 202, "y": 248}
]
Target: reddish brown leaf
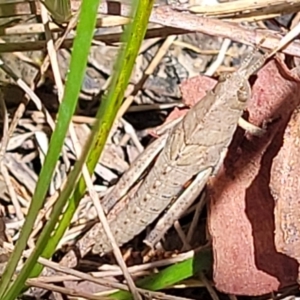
[
  {"x": 193, "y": 90},
  {"x": 285, "y": 188},
  {"x": 241, "y": 219}
]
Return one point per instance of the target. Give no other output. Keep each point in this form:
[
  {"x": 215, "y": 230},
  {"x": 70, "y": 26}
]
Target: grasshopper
[{"x": 193, "y": 149}]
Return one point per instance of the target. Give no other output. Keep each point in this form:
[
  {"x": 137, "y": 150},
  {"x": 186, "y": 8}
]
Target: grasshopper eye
[{"x": 242, "y": 94}]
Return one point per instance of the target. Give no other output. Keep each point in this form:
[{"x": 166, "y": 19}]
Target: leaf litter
[{"x": 240, "y": 219}]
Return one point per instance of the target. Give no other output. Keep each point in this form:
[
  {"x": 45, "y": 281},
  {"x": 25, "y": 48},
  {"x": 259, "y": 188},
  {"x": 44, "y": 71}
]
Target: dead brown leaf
[
  {"x": 241, "y": 212},
  {"x": 193, "y": 90},
  {"x": 241, "y": 218},
  {"x": 285, "y": 188}
]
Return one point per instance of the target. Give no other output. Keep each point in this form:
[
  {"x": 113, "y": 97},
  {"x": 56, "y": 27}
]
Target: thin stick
[{"x": 3, "y": 168}]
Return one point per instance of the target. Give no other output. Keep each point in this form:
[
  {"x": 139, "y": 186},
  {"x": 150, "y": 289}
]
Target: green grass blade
[
  {"x": 110, "y": 104},
  {"x": 202, "y": 261},
  {"x": 78, "y": 63},
  {"x": 45, "y": 235}
]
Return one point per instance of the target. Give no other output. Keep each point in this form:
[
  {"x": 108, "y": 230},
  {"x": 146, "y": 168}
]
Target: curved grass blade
[
  {"x": 201, "y": 261},
  {"x": 78, "y": 63},
  {"x": 133, "y": 35}
]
